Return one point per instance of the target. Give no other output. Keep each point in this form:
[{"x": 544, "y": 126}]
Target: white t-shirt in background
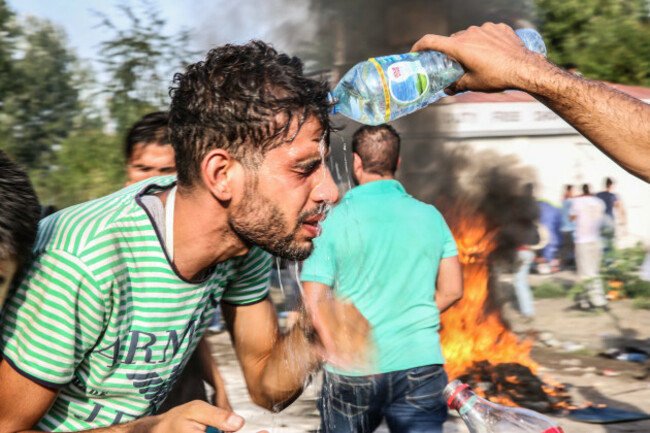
[{"x": 589, "y": 212}]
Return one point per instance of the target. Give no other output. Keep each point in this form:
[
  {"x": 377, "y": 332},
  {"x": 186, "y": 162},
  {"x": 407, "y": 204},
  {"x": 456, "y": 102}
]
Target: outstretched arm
[{"x": 495, "y": 59}]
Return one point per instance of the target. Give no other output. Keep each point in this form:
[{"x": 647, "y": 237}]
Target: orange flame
[{"x": 470, "y": 333}]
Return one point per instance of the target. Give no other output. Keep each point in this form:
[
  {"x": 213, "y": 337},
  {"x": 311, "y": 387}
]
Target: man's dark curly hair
[
  {"x": 241, "y": 98},
  {"x": 19, "y": 212}
]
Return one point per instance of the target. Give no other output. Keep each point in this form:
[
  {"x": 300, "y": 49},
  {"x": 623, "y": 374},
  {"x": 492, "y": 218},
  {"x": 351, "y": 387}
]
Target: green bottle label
[
  {"x": 407, "y": 81},
  {"x": 467, "y": 405}
]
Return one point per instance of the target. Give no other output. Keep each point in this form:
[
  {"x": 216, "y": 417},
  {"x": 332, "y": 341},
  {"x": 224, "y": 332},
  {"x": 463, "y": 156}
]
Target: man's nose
[{"x": 325, "y": 189}]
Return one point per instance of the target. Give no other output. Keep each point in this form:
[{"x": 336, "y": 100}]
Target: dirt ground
[{"x": 567, "y": 348}]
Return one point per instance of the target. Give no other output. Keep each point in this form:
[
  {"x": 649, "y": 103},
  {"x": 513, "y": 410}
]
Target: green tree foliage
[
  {"x": 51, "y": 120},
  {"x": 7, "y": 46},
  {"x": 39, "y": 106},
  {"x": 141, "y": 60},
  {"x": 605, "y": 39},
  {"x": 89, "y": 164}
]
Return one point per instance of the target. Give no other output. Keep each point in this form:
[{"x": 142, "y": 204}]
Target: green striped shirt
[{"x": 103, "y": 316}]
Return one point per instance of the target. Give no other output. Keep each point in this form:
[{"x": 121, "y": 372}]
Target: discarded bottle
[
  {"x": 482, "y": 416},
  {"x": 632, "y": 357},
  {"x": 386, "y": 88}
]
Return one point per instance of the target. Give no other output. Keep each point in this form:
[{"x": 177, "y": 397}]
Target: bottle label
[
  {"x": 467, "y": 405},
  {"x": 407, "y": 81},
  {"x": 553, "y": 430}
]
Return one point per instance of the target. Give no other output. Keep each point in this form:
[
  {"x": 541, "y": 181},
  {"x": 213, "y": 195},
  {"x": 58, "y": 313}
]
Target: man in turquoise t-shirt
[{"x": 395, "y": 259}]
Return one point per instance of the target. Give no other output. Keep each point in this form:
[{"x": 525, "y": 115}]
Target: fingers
[{"x": 432, "y": 42}]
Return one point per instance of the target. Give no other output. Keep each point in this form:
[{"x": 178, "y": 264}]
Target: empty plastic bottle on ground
[
  {"x": 385, "y": 88},
  {"x": 483, "y": 416}
]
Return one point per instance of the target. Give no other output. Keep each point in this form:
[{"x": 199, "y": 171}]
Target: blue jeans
[
  {"x": 522, "y": 289},
  {"x": 410, "y": 400}
]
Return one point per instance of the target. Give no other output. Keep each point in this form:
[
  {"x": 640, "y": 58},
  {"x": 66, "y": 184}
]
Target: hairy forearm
[{"x": 618, "y": 124}]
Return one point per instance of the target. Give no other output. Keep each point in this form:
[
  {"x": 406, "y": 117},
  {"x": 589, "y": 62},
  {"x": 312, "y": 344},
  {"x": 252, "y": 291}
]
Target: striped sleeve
[
  {"x": 55, "y": 316},
  {"x": 250, "y": 278}
]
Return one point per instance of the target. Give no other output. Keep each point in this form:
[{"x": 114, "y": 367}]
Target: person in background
[
  {"x": 395, "y": 259},
  {"x": 148, "y": 150},
  {"x": 588, "y": 212},
  {"x": 149, "y": 153},
  {"x": 535, "y": 239},
  {"x": 550, "y": 217},
  {"x": 612, "y": 203},
  {"x": 567, "y": 227},
  {"x": 19, "y": 216},
  {"x": 122, "y": 288},
  {"x": 495, "y": 59}
]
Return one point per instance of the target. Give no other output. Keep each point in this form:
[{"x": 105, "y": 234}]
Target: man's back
[
  {"x": 395, "y": 259},
  {"x": 381, "y": 248}
]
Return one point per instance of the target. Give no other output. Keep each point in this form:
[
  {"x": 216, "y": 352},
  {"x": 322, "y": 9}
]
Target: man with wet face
[
  {"x": 125, "y": 285},
  {"x": 19, "y": 215}
]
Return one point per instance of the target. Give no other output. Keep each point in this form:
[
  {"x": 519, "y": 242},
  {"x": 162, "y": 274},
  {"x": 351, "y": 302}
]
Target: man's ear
[
  {"x": 357, "y": 164},
  {"x": 399, "y": 162},
  {"x": 217, "y": 170}
]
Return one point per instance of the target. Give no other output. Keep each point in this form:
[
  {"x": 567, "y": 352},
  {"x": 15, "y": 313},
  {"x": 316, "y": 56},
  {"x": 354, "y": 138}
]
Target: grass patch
[
  {"x": 642, "y": 303},
  {"x": 549, "y": 289},
  {"x": 637, "y": 288}
]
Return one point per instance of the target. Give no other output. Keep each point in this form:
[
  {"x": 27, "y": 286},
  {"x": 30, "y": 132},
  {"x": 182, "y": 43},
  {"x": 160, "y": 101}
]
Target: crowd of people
[
  {"x": 577, "y": 236},
  {"x": 563, "y": 222},
  {"x": 106, "y": 301}
]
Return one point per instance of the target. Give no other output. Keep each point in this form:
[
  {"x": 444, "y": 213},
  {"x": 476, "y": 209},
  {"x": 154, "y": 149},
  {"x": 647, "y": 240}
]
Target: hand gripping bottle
[
  {"x": 482, "y": 416},
  {"x": 385, "y": 88}
]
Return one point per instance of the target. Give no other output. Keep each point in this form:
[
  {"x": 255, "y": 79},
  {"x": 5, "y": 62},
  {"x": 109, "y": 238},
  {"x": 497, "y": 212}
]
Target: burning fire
[
  {"x": 469, "y": 333},
  {"x": 475, "y": 340}
]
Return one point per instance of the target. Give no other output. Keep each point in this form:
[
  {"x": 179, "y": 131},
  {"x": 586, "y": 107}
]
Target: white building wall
[{"x": 556, "y": 152}]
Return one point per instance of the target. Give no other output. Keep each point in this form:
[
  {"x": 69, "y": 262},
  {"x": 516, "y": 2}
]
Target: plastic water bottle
[
  {"x": 483, "y": 416},
  {"x": 386, "y": 88}
]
